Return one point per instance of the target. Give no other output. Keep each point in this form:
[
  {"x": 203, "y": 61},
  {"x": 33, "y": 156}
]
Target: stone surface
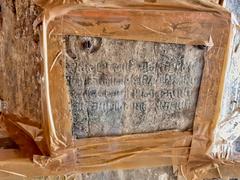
[
  {"x": 140, "y": 174},
  {"x": 233, "y": 81},
  {"x": 227, "y": 133},
  {"x": 124, "y": 87},
  {"x": 20, "y": 87},
  {"x": 19, "y": 60},
  {"x": 162, "y": 173}
]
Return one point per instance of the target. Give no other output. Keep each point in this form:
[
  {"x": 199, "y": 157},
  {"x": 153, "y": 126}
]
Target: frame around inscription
[{"x": 182, "y": 22}]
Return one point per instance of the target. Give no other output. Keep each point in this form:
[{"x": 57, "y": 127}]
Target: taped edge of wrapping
[
  {"x": 226, "y": 133},
  {"x": 123, "y": 152},
  {"x": 26, "y": 134}
]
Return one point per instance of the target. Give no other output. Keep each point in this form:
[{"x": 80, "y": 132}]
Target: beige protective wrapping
[
  {"x": 225, "y": 145},
  {"x": 193, "y": 22}
]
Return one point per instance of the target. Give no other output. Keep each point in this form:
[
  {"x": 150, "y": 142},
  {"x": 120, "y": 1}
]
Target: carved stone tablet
[{"x": 123, "y": 87}]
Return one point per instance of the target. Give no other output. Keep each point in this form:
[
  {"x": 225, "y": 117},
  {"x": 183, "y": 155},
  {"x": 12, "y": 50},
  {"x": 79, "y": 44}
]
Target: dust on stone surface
[
  {"x": 123, "y": 87},
  {"x": 160, "y": 173},
  {"x": 140, "y": 174}
]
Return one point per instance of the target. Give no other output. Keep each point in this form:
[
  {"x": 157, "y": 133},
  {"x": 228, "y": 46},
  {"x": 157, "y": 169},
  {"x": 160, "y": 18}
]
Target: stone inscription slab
[{"x": 123, "y": 87}]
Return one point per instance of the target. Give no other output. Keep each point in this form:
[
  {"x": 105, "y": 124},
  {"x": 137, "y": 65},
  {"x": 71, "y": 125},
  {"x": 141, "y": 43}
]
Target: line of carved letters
[{"x": 166, "y": 86}]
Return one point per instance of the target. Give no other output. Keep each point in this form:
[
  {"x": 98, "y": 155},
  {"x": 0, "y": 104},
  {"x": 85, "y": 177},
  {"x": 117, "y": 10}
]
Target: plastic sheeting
[{"x": 180, "y": 22}]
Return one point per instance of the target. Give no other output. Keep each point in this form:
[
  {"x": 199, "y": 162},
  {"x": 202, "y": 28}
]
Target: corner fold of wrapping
[{"x": 27, "y": 134}]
